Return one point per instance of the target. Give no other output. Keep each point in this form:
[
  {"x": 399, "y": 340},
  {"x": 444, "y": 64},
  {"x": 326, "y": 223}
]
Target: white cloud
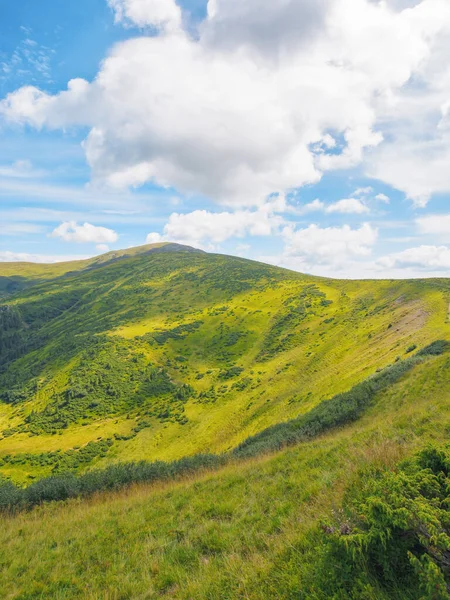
[
  {"x": 383, "y": 198},
  {"x": 235, "y": 113},
  {"x": 204, "y": 227},
  {"x": 70, "y": 231},
  {"x": 420, "y": 169},
  {"x": 347, "y": 206},
  {"x": 363, "y": 191},
  {"x": 162, "y": 14},
  {"x": 314, "y": 206},
  {"x": 329, "y": 245},
  {"x": 427, "y": 258},
  {"x": 268, "y": 28},
  {"x": 434, "y": 225},
  {"x": 416, "y": 157},
  {"x": 7, "y": 256}
]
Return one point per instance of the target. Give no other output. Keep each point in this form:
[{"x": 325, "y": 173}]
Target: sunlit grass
[{"x": 247, "y": 531}]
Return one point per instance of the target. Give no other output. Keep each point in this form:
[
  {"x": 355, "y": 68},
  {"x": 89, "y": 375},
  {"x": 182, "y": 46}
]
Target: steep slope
[
  {"x": 160, "y": 353},
  {"x": 250, "y": 530}
]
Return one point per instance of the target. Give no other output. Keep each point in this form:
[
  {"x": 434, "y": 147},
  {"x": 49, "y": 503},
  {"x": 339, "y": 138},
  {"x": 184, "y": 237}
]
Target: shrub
[
  {"x": 65, "y": 486},
  {"x": 393, "y": 531}
]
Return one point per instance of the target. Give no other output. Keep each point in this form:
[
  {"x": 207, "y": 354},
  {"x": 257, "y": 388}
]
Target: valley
[{"x": 217, "y": 428}]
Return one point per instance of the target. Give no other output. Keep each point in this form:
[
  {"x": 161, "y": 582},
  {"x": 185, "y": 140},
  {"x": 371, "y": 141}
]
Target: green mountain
[
  {"x": 308, "y": 418},
  {"x": 161, "y": 352}
]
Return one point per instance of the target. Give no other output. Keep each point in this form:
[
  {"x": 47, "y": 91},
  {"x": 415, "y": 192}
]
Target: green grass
[{"x": 247, "y": 531}]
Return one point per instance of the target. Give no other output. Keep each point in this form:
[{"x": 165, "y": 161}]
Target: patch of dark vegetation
[
  {"x": 435, "y": 349},
  {"x": 61, "y": 461},
  {"x": 232, "y": 338},
  {"x": 112, "y": 377},
  {"x": 285, "y": 333},
  {"x": 230, "y": 373},
  {"x": 392, "y": 533},
  {"x": 12, "y": 332},
  {"x": 217, "y": 312},
  {"x": 208, "y": 396},
  {"x": 177, "y": 333},
  {"x": 115, "y": 477}
]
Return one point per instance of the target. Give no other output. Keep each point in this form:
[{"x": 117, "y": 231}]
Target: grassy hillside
[
  {"x": 253, "y": 530},
  {"x": 163, "y": 352},
  {"x": 17, "y": 276},
  {"x": 325, "y": 404}
]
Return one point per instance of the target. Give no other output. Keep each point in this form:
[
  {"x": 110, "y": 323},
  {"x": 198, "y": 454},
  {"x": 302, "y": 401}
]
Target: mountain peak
[{"x": 145, "y": 249}]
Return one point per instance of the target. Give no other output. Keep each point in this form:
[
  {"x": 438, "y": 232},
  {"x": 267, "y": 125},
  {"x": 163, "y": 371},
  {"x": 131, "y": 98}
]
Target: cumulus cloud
[
  {"x": 420, "y": 168},
  {"x": 268, "y": 28},
  {"x": 426, "y": 258},
  {"x": 362, "y": 191},
  {"x": 70, "y": 231},
  {"x": 314, "y": 206},
  {"x": 162, "y": 14},
  {"x": 416, "y": 156},
  {"x": 201, "y": 227},
  {"x": 267, "y": 97},
  {"x": 330, "y": 245}
]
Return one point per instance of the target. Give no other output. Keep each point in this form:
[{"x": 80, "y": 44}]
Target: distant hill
[{"x": 15, "y": 276}]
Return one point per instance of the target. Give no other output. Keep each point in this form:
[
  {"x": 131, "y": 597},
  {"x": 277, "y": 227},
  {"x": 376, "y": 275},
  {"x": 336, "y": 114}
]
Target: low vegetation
[
  {"x": 338, "y": 411},
  {"x": 285, "y": 525},
  {"x": 391, "y": 533},
  {"x": 181, "y": 425}
]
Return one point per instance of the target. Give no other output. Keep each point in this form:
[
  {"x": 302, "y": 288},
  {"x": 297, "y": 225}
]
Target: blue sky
[{"x": 311, "y": 135}]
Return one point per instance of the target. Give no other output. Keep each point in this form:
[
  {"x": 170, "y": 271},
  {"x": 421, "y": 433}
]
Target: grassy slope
[
  {"x": 298, "y": 340},
  {"x": 247, "y": 532},
  {"x": 15, "y": 276}
]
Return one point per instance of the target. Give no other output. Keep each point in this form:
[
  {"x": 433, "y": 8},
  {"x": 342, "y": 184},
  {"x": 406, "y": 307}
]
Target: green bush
[
  {"x": 65, "y": 486},
  {"x": 392, "y": 533}
]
